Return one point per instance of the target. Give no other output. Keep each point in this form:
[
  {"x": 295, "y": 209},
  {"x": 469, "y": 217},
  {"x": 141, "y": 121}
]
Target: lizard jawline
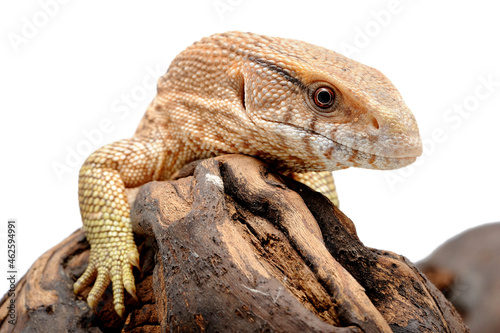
[{"x": 349, "y": 156}]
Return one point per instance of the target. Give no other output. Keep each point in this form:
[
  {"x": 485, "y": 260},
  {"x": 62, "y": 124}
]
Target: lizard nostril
[{"x": 375, "y": 123}]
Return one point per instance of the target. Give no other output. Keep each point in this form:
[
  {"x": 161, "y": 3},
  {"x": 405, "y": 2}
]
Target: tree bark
[{"x": 236, "y": 248}]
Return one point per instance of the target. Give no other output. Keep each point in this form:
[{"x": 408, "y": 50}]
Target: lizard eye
[{"x": 324, "y": 97}]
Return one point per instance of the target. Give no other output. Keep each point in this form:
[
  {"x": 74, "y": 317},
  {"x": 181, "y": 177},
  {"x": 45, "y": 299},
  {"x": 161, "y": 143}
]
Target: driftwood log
[
  {"x": 236, "y": 248},
  {"x": 467, "y": 270}
]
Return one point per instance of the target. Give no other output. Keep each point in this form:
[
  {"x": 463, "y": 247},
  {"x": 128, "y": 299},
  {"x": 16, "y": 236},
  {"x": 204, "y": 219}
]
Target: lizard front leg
[
  {"x": 319, "y": 181},
  {"x": 106, "y": 213}
]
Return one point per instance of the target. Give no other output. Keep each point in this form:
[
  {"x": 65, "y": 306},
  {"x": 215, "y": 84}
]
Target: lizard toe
[
  {"x": 118, "y": 288},
  {"x": 128, "y": 280},
  {"x": 100, "y": 285},
  {"x": 86, "y": 278},
  {"x": 133, "y": 257}
]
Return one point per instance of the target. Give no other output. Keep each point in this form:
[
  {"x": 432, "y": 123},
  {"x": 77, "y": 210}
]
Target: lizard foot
[{"x": 110, "y": 261}]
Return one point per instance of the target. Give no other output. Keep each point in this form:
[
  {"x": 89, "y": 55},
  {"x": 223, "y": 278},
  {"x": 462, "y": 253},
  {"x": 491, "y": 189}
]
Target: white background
[{"x": 81, "y": 62}]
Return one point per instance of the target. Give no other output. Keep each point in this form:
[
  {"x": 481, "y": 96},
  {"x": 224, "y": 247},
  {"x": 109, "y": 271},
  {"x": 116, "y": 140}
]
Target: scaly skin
[{"x": 300, "y": 107}]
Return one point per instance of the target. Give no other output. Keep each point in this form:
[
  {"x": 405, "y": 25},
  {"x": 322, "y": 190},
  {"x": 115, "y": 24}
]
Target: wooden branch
[
  {"x": 234, "y": 247},
  {"x": 467, "y": 270}
]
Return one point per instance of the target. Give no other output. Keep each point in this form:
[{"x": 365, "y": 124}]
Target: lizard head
[
  {"x": 297, "y": 105},
  {"x": 322, "y": 104}
]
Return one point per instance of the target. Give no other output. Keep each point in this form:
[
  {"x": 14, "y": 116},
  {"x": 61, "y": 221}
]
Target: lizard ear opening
[
  {"x": 242, "y": 94},
  {"x": 237, "y": 81}
]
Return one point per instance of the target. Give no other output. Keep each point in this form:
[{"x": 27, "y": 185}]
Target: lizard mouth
[{"x": 357, "y": 157}]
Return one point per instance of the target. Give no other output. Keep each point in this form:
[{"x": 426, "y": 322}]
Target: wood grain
[{"x": 234, "y": 247}]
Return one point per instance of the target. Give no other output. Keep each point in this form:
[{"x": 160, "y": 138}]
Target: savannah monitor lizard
[{"x": 302, "y": 108}]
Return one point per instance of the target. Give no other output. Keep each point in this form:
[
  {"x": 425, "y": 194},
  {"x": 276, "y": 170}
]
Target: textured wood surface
[
  {"x": 233, "y": 247},
  {"x": 467, "y": 270}
]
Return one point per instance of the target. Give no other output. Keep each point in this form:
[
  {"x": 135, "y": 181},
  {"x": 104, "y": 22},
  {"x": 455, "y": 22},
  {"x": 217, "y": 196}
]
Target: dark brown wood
[
  {"x": 406, "y": 299},
  {"x": 467, "y": 270},
  {"x": 235, "y": 248}
]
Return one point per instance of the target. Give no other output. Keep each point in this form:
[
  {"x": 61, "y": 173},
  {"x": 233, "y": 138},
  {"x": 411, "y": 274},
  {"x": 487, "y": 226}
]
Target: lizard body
[{"x": 299, "y": 107}]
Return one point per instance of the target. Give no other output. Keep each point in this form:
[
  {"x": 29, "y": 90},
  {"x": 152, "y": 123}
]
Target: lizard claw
[
  {"x": 133, "y": 257},
  {"x": 128, "y": 277}
]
